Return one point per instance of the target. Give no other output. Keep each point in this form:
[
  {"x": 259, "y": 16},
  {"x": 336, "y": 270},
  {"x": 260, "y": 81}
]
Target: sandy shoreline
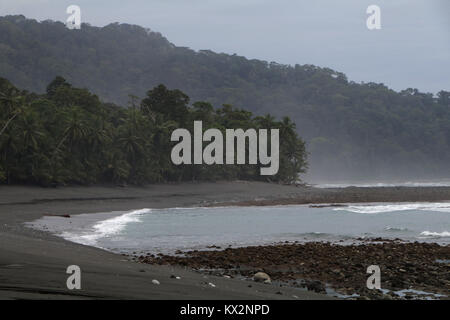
[{"x": 33, "y": 263}]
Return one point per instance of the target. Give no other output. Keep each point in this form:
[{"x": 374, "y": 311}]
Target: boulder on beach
[
  {"x": 262, "y": 277},
  {"x": 315, "y": 286}
]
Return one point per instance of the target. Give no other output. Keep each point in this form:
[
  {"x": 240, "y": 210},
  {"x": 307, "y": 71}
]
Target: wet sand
[{"x": 33, "y": 263}]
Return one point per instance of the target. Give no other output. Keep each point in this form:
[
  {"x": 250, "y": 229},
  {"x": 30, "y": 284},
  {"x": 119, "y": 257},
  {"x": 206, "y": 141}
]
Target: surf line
[{"x": 235, "y": 139}]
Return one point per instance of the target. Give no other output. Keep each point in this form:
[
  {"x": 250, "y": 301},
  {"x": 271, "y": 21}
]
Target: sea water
[
  {"x": 412, "y": 184},
  {"x": 169, "y": 230}
]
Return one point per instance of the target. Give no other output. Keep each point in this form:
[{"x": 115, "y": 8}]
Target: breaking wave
[
  {"x": 396, "y": 229},
  {"x": 381, "y": 185},
  {"x": 372, "y": 209},
  {"x": 444, "y": 234},
  {"x": 105, "y": 228}
]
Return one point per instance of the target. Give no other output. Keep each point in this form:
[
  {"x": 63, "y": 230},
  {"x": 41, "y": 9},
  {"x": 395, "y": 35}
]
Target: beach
[
  {"x": 33, "y": 263},
  {"x": 409, "y": 270}
]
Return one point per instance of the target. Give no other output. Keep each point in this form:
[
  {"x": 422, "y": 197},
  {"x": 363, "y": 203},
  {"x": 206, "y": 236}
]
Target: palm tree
[
  {"x": 266, "y": 122},
  {"x": 100, "y": 135},
  {"x": 30, "y": 130},
  {"x": 14, "y": 106},
  {"x": 76, "y": 129}
]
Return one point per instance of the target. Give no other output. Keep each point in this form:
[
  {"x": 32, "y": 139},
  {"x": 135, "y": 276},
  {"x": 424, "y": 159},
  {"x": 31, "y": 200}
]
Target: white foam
[
  {"x": 105, "y": 228},
  {"x": 373, "y": 209},
  {"x": 444, "y": 234},
  {"x": 381, "y": 184},
  {"x": 389, "y": 228},
  {"x": 417, "y": 294}
]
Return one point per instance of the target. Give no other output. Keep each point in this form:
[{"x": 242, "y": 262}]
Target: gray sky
[{"x": 411, "y": 50}]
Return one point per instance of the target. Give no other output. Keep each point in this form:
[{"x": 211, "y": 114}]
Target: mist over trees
[
  {"x": 68, "y": 136},
  {"x": 351, "y": 129}
]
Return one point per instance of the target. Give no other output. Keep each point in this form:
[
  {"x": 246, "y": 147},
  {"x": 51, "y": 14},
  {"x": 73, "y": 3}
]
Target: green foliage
[
  {"x": 69, "y": 136},
  {"x": 2, "y": 175},
  {"x": 361, "y": 129}
]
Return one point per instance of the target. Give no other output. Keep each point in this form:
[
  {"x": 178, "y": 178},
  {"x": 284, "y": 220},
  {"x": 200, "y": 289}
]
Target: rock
[
  {"x": 262, "y": 277},
  {"x": 336, "y": 271},
  {"x": 58, "y": 215},
  {"x": 156, "y": 282},
  {"x": 375, "y": 294},
  {"x": 341, "y": 267},
  {"x": 315, "y": 286},
  {"x": 397, "y": 283}
]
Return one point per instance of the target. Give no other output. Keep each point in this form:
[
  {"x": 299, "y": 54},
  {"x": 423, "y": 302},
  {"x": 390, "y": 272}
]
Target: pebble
[
  {"x": 343, "y": 268},
  {"x": 261, "y": 277}
]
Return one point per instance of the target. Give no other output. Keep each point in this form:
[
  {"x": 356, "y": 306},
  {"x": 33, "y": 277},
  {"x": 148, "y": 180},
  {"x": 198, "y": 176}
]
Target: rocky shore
[
  {"x": 33, "y": 263},
  {"x": 420, "y": 267}
]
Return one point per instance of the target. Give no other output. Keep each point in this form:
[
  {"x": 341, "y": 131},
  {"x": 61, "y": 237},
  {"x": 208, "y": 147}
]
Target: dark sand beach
[{"x": 33, "y": 263}]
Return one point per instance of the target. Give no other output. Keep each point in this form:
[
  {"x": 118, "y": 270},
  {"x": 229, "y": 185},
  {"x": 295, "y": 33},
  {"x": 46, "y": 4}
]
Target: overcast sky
[{"x": 411, "y": 50}]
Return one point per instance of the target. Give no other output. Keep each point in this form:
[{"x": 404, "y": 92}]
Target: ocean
[
  {"x": 414, "y": 184},
  {"x": 168, "y": 230}
]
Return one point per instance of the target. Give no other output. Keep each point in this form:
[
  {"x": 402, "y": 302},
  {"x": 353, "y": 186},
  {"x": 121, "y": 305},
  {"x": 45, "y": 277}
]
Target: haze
[{"x": 411, "y": 50}]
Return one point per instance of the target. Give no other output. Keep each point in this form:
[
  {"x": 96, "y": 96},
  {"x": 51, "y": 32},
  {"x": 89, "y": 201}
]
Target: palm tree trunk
[
  {"x": 8, "y": 122},
  {"x": 59, "y": 146}
]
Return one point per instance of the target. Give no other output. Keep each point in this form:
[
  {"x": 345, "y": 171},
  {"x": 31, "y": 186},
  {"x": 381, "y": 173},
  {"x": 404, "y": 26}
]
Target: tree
[
  {"x": 170, "y": 103},
  {"x": 13, "y": 107},
  {"x": 58, "y": 82},
  {"x": 69, "y": 136}
]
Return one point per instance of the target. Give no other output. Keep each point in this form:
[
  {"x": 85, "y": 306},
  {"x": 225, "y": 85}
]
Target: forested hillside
[
  {"x": 352, "y": 130},
  {"x": 68, "y": 136}
]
